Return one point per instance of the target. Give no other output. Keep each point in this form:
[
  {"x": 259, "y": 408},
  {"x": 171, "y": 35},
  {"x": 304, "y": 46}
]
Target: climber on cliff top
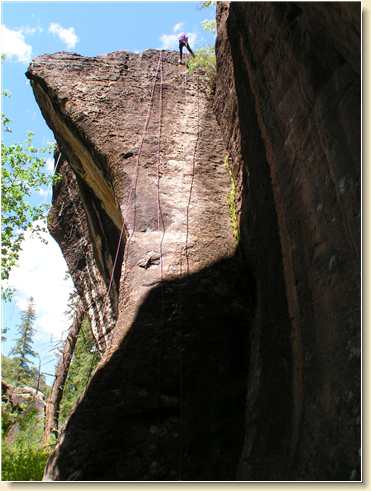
[{"x": 183, "y": 41}]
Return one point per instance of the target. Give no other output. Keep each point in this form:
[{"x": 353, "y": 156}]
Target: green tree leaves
[
  {"x": 23, "y": 458},
  {"x": 207, "y": 3},
  {"x": 209, "y": 25},
  {"x": 205, "y": 58},
  {"x": 9, "y": 373},
  {"x": 23, "y": 462},
  {"x": 23, "y": 173}
]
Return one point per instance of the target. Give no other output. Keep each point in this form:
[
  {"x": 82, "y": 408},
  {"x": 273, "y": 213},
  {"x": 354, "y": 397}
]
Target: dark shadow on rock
[
  {"x": 269, "y": 404},
  {"x": 302, "y": 66},
  {"x": 170, "y": 403}
]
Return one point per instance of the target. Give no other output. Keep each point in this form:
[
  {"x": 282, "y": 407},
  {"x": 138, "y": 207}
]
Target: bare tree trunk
[
  {"x": 38, "y": 377},
  {"x": 53, "y": 402}
]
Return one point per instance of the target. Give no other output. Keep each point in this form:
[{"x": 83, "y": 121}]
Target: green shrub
[
  {"x": 232, "y": 202},
  {"x": 209, "y": 25},
  {"x": 205, "y": 61},
  {"x": 22, "y": 462},
  {"x": 30, "y": 424},
  {"x": 9, "y": 417}
]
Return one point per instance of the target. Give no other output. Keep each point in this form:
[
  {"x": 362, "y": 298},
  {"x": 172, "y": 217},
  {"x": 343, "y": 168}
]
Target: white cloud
[
  {"x": 192, "y": 36},
  {"x": 178, "y": 27},
  {"x": 14, "y": 46},
  {"x": 50, "y": 164},
  {"x": 44, "y": 192},
  {"x": 170, "y": 41},
  {"x": 30, "y": 30},
  {"x": 66, "y": 34},
  {"x": 40, "y": 274}
]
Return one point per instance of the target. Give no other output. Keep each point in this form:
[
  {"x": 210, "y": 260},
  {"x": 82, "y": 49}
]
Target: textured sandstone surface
[
  {"x": 173, "y": 371},
  {"x": 220, "y": 361},
  {"x": 87, "y": 239},
  {"x": 290, "y": 74}
]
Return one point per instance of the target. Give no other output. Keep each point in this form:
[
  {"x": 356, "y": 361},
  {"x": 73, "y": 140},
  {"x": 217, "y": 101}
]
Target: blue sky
[
  {"x": 88, "y": 28},
  {"x": 100, "y": 27}
]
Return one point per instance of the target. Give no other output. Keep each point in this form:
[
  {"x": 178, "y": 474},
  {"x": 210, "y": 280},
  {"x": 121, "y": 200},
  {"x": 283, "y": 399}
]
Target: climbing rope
[
  {"x": 160, "y": 226},
  {"x": 181, "y": 361},
  {"x": 56, "y": 164},
  {"x": 160, "y": 217},
  {"x": 183, "y": 90},
  {"x": 134, "y": 188},
  {"x": 193, "y": 175}
]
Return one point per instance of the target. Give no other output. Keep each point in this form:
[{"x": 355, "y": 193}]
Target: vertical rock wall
[
  {"x": 290, "y": 73},
  {"x": 221, "y": 361},
  {"x": 141, "y": 147}
]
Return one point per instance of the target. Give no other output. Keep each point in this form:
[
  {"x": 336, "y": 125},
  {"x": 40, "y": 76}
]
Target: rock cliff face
[
  {"x": 220, "y": 361},
  {"x": 141, "y": 152},
  {"x": 288, "y": 100}
]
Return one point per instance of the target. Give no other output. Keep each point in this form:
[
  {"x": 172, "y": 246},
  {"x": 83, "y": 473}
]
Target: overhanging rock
[{"x": 141, "y": 149}]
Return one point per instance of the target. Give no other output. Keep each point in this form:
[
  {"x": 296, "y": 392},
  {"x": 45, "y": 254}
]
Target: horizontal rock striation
[{"x": 87, "y": 238}]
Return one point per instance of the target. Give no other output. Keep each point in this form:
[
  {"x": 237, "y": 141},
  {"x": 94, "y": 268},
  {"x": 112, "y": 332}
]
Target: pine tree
[{"x": 22, "y": 350}]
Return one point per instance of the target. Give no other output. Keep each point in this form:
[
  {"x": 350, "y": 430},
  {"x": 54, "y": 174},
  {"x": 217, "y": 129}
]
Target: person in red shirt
[{"x": 183, "y": 41}]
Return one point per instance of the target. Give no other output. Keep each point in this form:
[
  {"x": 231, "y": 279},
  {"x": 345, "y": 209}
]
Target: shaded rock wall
[
  {"x": 221, "y": 361},
  {"x": 172, "y": 377},
  {"x": 87, "y": 239},
  {"x": 288, "y": 100}
]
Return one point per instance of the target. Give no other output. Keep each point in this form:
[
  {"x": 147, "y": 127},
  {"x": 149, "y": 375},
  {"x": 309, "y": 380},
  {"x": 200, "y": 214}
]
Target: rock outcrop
[
  {"x": 220, "y": 360},
  {"x": 21, "y": 400},
  {"x": 141, "y": 151},
  {"x": 288, "y": 100},
  {"x": 17, "y": 396}
]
